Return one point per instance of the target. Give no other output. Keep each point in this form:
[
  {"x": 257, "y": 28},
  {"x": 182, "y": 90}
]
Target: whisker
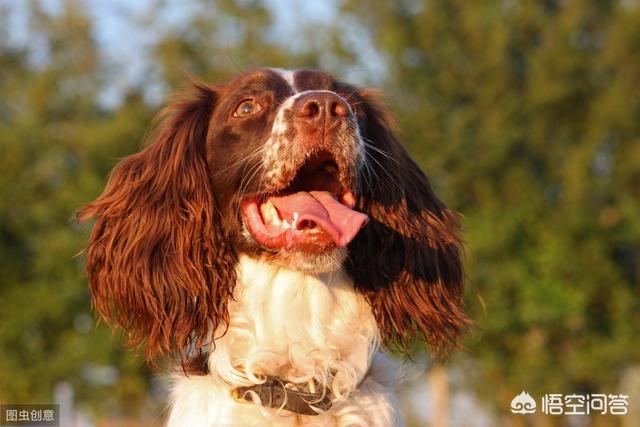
[
  {"x": 246, "y": 179},
  {"x": 366, "y": 177},
  {"x": 348, "y": 97},
  {"x": 357, "y": 103},
  {"x": 258, "y": 150},
  {"x": 391, "y": 178},
  {"x": 244, "y": 184},
  {"x": 369, "y": 143}
]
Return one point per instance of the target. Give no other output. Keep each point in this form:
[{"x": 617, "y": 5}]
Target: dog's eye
[{"x": 247, "y": 108}]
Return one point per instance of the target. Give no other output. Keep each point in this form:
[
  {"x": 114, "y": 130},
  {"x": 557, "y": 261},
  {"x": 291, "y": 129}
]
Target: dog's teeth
[
  {"x": 285, "y": 225},
  {"x": 276, "y": 219},
  {"x": 270, "y": 214},
  {"x": 294, "y": 224}
]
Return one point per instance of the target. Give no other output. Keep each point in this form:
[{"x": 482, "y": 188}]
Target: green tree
[
  {"x": 53, "y": 159},
  {"x": 524, "y": 114}
]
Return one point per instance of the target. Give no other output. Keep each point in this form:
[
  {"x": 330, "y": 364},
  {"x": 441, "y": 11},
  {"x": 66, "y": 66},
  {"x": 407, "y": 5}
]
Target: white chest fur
[{"x": 298, "y": 327}]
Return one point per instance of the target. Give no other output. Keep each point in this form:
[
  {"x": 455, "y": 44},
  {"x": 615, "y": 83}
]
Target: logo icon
[{"x": 523, "y": 404}]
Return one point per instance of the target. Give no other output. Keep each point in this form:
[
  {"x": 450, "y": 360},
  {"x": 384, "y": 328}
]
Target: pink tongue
[{"x": 337, "y": 220}]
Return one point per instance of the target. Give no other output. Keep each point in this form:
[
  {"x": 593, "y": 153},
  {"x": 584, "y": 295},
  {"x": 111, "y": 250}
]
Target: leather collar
[{"x": 301, "y": 398}]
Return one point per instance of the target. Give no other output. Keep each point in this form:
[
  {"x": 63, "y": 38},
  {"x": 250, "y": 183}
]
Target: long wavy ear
[
  {"x": 158, "y": 263},
  {"x": 407, "y": 260}
]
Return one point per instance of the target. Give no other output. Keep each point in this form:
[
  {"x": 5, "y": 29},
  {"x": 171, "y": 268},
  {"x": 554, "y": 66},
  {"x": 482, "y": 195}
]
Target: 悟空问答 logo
[{"x": 523, "y": 404}]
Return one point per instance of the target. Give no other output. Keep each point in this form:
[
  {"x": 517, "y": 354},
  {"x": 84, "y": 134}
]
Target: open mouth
[{"x": 313, "y": 213}]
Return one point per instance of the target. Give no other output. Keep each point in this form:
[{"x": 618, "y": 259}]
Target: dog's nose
[{"x": 321, "y": 107}]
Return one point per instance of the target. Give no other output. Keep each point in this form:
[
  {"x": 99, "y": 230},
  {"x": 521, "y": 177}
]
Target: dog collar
[{"x": 301, "y": 398}]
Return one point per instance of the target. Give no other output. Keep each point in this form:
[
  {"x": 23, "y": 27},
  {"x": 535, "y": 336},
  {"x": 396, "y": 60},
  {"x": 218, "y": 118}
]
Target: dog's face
[
  {"x": 284, "y": 151},
  {"x": 293, "y": 167}
]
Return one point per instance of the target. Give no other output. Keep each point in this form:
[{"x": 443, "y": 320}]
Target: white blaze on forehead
[{"x": 288, "y": 75}]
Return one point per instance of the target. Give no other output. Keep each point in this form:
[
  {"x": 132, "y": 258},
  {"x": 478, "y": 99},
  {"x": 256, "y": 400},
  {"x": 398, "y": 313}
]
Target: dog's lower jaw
[
  {"x": 317, "y": 263},
  {"x": 297, "y": 326},
  {"x": 313, "y": 264}
]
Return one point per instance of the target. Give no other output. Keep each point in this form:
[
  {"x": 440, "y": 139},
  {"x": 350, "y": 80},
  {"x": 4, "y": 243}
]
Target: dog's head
[
  {"x": 284, "y": 154},
  {"x": 293, "y": 167}
]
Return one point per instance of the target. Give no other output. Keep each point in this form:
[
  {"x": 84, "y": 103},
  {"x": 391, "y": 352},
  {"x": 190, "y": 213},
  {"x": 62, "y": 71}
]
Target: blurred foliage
[
  {"x": 524, "y": 113},
  {"x": 526, "y": 116},
  {"x": 56, "y": 145}
]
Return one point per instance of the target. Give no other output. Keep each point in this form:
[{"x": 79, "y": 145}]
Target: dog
[{"x": 275, "y": 239}]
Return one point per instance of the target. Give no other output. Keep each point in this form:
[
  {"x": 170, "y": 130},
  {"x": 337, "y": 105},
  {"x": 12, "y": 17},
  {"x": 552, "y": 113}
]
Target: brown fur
[
  {"x": 407, "y": 260},
  {"x": 158, "y": 263}
]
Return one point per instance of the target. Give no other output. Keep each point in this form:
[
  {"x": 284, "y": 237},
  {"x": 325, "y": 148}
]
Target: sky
[{"x": 124, "y": 39}]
